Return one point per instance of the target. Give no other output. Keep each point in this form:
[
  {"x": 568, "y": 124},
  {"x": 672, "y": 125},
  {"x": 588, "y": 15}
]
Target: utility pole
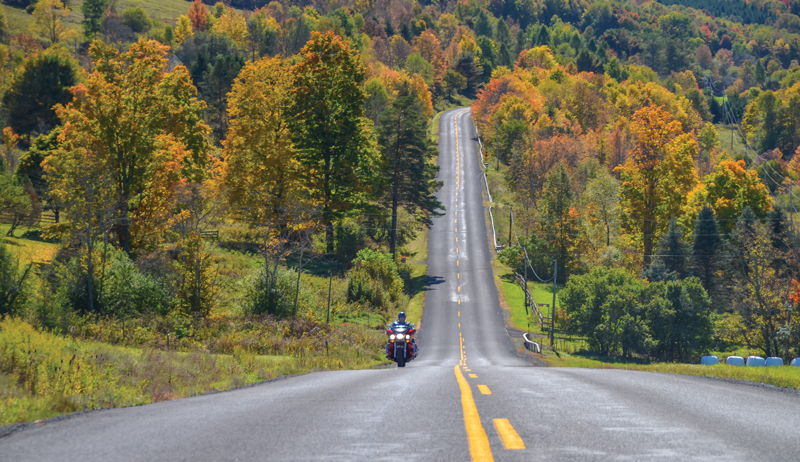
[
  {"x": 510, "y": 224},
  {"x": 497, "y": 145},
  {"x": 330, "y": 284},
  {"x": 553, "y": 309},
  {"x": 525, "y": 282},
  {"x": 297, "y": 289}
]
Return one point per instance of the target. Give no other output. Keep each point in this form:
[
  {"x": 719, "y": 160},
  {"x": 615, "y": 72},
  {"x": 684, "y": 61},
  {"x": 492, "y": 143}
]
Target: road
[{"x": 468, "y": 396}]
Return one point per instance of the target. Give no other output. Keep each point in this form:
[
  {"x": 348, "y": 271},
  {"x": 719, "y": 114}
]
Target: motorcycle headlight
[
  {"x": 400, "y": 336},
  {"x": 391, "y": 337}
]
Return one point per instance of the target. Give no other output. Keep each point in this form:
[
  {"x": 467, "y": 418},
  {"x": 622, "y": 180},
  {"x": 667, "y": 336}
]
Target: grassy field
[
  {"x": 28, "y": 245},
  {"x": 514, "y": 300},
  {"x": 164, "y": 11},
  {"x": 786, "y": 376},
  {"x": 45, "y": 375}
]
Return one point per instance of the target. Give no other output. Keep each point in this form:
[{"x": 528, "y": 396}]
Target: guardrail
[
  {"x": 530, "y": 345},
  {"x": 497, "y": 247},
  {"x": 531, "y": 302}
]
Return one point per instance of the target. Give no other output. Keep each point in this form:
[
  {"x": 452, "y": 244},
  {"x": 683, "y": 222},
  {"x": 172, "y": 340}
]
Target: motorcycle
[{"x": 401, "y": 347}]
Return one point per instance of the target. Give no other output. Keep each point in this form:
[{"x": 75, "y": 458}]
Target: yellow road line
[
  {"x": 459, "y": 325},
  {"x": 459, "y": 302},
  {"x": 484, "y": 390},
  {"x": 511, "y": 439},
  {"x": 459, "y": 314},
  {"x": 479, "y": 447},
  {"x": 473, "y": 376}
]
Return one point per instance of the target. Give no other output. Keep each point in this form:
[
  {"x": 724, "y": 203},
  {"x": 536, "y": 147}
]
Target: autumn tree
[
  {"x": 183, "y": 29},
  {"x": 759, "y": 292},
  {"x": 48, "y": 23},
  {"x": 407, "y": 161},
  {"x": 729, "y": 189},
  {"x": 198, "y": 15},
  {"x": 656, "y": 179},
  {"x": 198, "y": 284},
  {"x": 144, "y": 124},
  {"x": 331, "y": 134},
  {"x": 602, "y": 206},
  {"x": 261, "y": 172},
  {"x": 82, "y": 180}
]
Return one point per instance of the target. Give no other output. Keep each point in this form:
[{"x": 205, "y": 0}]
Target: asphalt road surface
[{"x": 467, "y": 397}]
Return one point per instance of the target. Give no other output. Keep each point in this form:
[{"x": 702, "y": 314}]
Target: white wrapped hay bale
[
  {"x": 774, "y": 361},
  {"x": 734, "y": 361},
  {"x": 709, "y": 360}
]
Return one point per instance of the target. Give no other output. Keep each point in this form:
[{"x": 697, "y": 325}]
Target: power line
[{"x": 731, "y": 119}]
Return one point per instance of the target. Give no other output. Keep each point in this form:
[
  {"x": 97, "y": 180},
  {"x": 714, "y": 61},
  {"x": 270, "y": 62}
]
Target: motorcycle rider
[{"x": 401, "y": 321}]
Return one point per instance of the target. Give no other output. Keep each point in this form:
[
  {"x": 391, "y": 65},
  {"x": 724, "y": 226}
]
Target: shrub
[
  {"x": 126, "y": 291},
  {"x": 375, "y": 280},
  {"x": 268, "y": 294},
  {"x": 137, "y": 19}
]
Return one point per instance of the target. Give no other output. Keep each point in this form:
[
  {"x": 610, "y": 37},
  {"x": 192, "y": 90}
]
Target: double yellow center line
[{"x": 479, "y": 447}]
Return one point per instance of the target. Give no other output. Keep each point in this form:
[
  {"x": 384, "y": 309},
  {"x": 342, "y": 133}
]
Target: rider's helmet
[{"x": 401, "y": 317}]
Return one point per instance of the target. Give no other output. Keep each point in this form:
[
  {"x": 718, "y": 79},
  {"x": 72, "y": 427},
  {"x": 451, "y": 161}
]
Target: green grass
[
  {"x": 433, "y": 127},
  {"x": 28, "y": 246},
  {"x": 164, "y": 11},
  {"x": 416, "y": 252},
  {"x": 725, "y": 138},
  {"x": 513, "y": 300},
  {"x": 44, "y": 375},
  {"x": 787, "y": 376},
  {"x": 18, "y": 19}
]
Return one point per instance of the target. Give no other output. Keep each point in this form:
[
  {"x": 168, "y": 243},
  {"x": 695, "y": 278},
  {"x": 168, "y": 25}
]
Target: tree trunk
[
  {"x": 124, "y": 226},
  {"x": 395, "y": 200},
  {"x": 329, "y": 236}
]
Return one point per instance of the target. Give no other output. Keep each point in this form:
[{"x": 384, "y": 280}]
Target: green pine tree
[
  {"x": 672, "y": 250},
  {"x": 705, "y": 246},
  {"x": 93, "y": 17},
  {"x": 408, "y": 169}
]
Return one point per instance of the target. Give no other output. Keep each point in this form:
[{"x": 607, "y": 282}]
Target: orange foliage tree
[
  {"x": 657, "y": 178},
  {"x": 141, "y": 123},
  {"x": 198, "y": 15}
]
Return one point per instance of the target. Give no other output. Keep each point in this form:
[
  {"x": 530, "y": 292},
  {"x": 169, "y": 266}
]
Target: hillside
[{"x": 198, "y": 177}]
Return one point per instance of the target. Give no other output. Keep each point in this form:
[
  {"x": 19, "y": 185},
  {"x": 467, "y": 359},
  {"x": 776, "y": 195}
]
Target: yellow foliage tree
[
  {"x": 233, "y": 25},
  {"x": 48, "y": 15},
  {"x": 261, "y": 170},
  {"x": 183, "y": 29},
  {"x": 728, "y": 190}
]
